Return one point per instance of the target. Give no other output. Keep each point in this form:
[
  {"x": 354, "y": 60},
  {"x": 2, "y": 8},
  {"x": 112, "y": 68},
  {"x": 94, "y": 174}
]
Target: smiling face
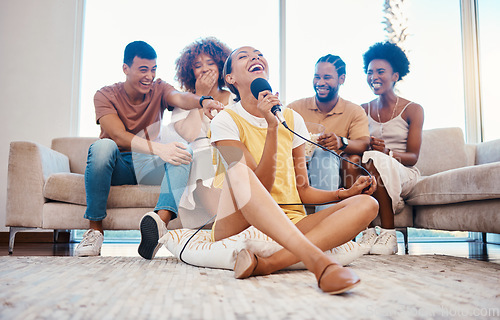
[
  {"x": 247, "y": 64},
  {"x": 203, "y": 64},
  {"x": 326, "y": 81},
  {"x": 140, "y": 75},
  {"x": 380, "y": 76}
]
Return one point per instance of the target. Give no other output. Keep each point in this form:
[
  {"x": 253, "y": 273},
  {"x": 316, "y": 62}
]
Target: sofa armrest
[
  {"x": 488, "y": 152},
  {"x": 30, "y": 164}
]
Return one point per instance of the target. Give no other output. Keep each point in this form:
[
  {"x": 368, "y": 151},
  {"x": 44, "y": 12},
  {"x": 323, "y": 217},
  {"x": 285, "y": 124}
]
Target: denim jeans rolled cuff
[
  {"x": 106, "y": 166},
  {"x": 94, "y": 218},
  {"x": 173, "y": 210},
  {"x": 174, "y": 183}
]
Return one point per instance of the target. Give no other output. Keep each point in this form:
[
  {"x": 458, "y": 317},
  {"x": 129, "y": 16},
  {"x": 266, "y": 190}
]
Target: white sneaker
[
  {"x": 386, "y": 243},
  {"x": 152, "y": 229},
  {"x": 367, "y": 240},
  {"x": 90, "y": 245}
]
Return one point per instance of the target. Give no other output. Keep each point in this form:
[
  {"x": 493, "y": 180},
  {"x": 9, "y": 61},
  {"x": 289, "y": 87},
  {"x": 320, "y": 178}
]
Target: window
[
  {"x": 316, "y": 28},
  {"x": 313, "y": 29},
  {"x": 489, "y": 51},
  {"x": 168, "y": 26},
  {"x": 436, "y": 71},
  {"x": 435, "y": 81}
]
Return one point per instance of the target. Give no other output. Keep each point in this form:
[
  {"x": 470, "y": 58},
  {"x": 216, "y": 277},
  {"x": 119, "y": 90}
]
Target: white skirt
[
  {"x": 398, "y": 179},
  {"x": 202, "y": 168}
]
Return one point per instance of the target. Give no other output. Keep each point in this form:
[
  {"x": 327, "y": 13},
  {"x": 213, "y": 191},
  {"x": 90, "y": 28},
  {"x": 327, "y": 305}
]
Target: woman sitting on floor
[{"x": 267, "y": 167}]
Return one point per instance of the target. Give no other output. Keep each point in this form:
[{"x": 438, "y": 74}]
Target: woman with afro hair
[
  {"x": 199, "y": 70},
  {"x": 395, "y": 125}
]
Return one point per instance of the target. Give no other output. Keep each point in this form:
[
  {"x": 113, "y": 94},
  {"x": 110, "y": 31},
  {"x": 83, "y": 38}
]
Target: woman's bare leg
[
  {"x": 327, "y": 229},
  {"x": 349, "y": 173},
  {"x": 385, "y": 203},
  {"x": 258, "y": 208}
]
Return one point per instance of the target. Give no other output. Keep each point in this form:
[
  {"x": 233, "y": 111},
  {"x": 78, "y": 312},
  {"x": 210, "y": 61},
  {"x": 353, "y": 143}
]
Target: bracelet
[
  {"x": 205, "y": 98},
  {"x": 338, "y": 193},
  {"x": 391, "y": 154}
]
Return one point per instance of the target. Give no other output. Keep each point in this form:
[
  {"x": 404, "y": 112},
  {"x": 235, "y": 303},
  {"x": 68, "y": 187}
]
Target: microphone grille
[{"x": 259, "y": 85}]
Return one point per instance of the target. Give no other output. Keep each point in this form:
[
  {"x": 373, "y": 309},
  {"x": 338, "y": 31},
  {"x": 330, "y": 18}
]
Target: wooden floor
[{"x": 465, "y": 249}]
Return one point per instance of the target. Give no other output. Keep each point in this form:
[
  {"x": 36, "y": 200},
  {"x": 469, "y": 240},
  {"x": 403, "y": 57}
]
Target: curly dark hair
[
  {"x": 391, "y": 53},
  {"x": 211, "y": 46}
]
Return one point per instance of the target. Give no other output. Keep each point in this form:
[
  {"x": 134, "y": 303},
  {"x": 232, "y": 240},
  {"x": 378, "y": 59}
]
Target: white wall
[{"x": 39, "y": 74}]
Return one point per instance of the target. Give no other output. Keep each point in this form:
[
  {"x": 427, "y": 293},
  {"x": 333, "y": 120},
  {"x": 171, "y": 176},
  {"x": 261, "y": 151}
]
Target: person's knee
[
  {"x": 369, "y": 206},
  {"x": 349, "y": 171},
  {"x": 242, "y": 182},
  {"x": 239, "y": 175},
  {"x": 237, "y": 169},
  {"x": 365, "y": 205},
  {"x": 168, "y": 166},
  {"x": 371, "y": 168},
  {"x": 103, "y": 146},
  {"x": 348, "y": 166},
  {"x": 102, "y": 149},
  {"x": 190, "y": 150}
]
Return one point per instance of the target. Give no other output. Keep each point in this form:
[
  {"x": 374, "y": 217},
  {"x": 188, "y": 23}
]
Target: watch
[
  {"x": 205, "y": 98},
  {"x": 344, "y": 142}
]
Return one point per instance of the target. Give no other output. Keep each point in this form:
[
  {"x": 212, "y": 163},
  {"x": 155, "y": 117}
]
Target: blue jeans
[
  {"x": 107, "y": 166},
  {"x": 324, "y": 172}
]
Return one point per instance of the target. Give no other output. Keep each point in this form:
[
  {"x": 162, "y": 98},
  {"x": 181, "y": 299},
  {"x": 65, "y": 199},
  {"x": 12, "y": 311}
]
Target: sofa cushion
[
  {"x": 474, "y": 216},
  {"x": 402, "y": 219},
  {"x": 442, "y": 149},
  {"x": 488, "y": 152},
  {"x": 459, "y": 185},
  {"x": 76, "y": 149},
  {"x": 70, "y": 188}
]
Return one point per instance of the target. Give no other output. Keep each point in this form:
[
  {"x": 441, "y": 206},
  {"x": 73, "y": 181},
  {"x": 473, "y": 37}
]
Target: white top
[
  {"x": 202, "y": 167},
  {"x": 179, "y": 114},
  {"x": 223, "y": 126},
  {"x": 394, "y": 132}
]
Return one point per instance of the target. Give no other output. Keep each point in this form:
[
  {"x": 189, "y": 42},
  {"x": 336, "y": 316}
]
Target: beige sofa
[
  {"x": 46, "y": 189},
  {"x": 459, "y": 190}
]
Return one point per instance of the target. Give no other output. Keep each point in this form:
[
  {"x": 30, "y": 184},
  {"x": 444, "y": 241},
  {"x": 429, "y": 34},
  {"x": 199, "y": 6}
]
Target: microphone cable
[
  {"x": 281, "y": 204},
  {"x": 326, "y": 149},
  {"x": 260, "y": 84},
  {"x": 191, "y": 237}
]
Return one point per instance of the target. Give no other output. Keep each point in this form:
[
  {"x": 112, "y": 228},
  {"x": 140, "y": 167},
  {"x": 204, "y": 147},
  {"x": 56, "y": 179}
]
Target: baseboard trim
[{"x": 33, "y": 237}]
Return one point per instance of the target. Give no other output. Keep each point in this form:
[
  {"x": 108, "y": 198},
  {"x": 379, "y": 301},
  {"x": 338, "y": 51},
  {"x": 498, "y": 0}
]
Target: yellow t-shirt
[{"x": 284, "y": 189}]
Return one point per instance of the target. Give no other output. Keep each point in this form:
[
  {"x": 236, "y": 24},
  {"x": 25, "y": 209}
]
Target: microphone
[{"x": 261, "y": 84}]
